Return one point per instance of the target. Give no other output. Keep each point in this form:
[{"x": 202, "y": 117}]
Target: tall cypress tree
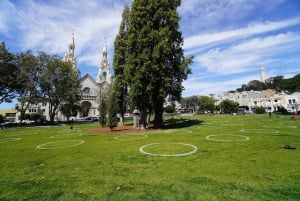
[
  {"x": 112, "y": 109},
  {"x": 120, "y": 86},
  {"x": 156, "y": 66}
]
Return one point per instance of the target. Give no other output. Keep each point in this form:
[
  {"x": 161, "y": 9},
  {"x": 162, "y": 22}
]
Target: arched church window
[{"x": 104, "y": 76}]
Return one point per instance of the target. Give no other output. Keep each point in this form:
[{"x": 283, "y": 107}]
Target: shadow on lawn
[{"x": 181, "y": 123}]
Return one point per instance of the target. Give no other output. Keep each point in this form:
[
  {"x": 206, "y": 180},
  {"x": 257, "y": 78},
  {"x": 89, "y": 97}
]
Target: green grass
[{"x": 111, "y": 167}]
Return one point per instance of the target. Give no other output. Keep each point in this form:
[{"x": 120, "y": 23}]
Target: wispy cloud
[
  {"x": 200, "y": 86},
  {"x": 48, "y": 27},
  {"x": 240, "y": 57},
  {"x": 237, "y": 34}
]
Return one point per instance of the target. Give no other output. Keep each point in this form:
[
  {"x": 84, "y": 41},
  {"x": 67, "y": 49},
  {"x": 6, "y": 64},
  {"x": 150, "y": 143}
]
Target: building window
[{"x": 86, "y": 90}]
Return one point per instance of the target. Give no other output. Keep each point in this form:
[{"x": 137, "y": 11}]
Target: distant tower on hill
[{"x": 262, "y": 74}]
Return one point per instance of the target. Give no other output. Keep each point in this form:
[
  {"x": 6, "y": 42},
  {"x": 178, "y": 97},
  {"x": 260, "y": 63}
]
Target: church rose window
[{"x": 86, "y": 90}]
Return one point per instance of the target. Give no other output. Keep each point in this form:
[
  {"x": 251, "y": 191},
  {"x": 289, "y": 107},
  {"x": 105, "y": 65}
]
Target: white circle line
[
  {"x": 258, "y": 130},
  {"x": 195, "y": 149},
  {"x": 66, "y": 135},
  {"x": 119, "y": 137},
  {"x": 244, "y": 138},
  {"x": 43, "y": 146},
  {"x": 276, "y": 126}
]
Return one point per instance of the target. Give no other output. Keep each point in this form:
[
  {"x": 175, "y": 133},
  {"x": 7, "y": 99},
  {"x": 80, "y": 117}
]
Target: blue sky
[{"x": 230, "y": 39}]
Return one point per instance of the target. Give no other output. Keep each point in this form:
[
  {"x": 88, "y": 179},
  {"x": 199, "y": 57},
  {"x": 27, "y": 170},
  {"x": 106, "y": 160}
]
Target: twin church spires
[{"x": 104, "y": 69}]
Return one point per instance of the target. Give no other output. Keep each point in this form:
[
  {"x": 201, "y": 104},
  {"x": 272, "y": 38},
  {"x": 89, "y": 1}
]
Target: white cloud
[
  {"x": 48, "y": 27},
  {"x": 229, "y": 36},
  {"x": 200, "y": 86},
  {"x": 7, "y": 11},
  {"x": 253, "y": 52}
]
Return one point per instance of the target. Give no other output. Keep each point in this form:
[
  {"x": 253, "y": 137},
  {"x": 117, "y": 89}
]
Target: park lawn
[{"x": 237, "y": 158}]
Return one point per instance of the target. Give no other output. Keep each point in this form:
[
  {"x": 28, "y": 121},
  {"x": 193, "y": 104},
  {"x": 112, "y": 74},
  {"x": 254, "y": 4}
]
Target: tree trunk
[
  {"x": 143, "y": 120},
  {"x": 158, "y": 119}
]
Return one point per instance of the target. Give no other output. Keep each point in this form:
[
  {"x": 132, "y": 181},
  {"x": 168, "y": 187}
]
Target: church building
[{"x": 91, "y": 89}]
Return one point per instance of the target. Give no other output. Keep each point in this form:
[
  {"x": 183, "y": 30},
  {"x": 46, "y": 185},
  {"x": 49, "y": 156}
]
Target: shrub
[
  {"x": 35, "y": 116},
  {"x": 169, "y": 109},
  {"x": 260, "y": 110}
]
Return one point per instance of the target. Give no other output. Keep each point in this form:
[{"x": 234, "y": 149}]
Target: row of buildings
[{"x": 269, "y": 99}]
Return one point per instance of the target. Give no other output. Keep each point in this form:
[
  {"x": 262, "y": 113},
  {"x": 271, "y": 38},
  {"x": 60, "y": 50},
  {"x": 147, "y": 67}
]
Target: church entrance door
[{"x": 86, "y": 108}]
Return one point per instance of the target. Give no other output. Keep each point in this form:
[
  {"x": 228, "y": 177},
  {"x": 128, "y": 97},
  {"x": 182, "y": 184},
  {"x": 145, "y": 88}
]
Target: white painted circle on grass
[
  {"x": 66, "y": 135},
  {"x": 239, "y": 138},
  {"x": 10, "y": 139},
  {"x": 278, "y": 126},
  {"x": 130, "y": 136},
  {"x": 60, "y": 144},
  {"x": 259, "y": 130},
  {"x": 194, "y": 149}
]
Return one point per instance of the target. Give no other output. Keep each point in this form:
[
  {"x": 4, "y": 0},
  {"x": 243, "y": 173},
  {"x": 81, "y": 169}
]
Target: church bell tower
[
  {"x": 70, "y": 55},
  {"x": 104, "y": 71}
]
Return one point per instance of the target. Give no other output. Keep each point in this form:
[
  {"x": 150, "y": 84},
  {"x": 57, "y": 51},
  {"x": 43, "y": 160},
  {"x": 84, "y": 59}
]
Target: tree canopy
[
  {"x": 156, "y": 65},
  {"x": 29, "y": 76},
  {"x": 278, "y": 83},
  {"x": 8, "y": 75},
  {"x": 206, "y": 103},
  {"x": 290, "y": 85},
  {"x": 59, "y": 82},
  {"x": 120, "y": 86},
  {"x": 228, "y": 106}
]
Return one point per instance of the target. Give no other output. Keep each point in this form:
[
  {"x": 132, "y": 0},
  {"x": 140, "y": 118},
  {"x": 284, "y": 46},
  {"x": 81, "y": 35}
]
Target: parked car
[
  {"x": 128, "y": 115},
  {"x": 91, "y": 118}
]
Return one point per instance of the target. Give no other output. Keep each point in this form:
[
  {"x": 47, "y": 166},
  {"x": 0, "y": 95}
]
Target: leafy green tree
[
  {"x": 120, "y": 86},
  {"x": 8, "y": 75},
  {"x": 102, "y": 112},
  {"x": 228, "y": 106},
  {"x": 273, "y": 82},
  {"x": 29, "y": 93},
  {"x": 170, "y": 109},
  {"x": 59, "y": 82},
  {"x": 290, "y": 85},
  {"x": 206, "y": 104},
  {"x": 156, "y": 66},
  {"x": 35, "y": 117},
  {"x": 112, "y": 120},
  {"x": 70, "y": 108}
]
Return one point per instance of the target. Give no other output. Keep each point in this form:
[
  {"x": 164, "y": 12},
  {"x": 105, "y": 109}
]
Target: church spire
[
  {"x": 104, "y": 69},
  {"x": 70, "y": 55}
]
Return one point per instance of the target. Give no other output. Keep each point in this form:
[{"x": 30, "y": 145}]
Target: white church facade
[{"x": 91, "y": 89}]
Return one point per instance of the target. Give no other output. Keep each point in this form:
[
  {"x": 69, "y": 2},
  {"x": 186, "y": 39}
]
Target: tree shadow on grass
[{"x": 180, "y": 123}]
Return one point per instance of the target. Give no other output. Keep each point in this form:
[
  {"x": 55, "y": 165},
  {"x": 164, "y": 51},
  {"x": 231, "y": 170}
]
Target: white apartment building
[{"x": 268, "y": 99}]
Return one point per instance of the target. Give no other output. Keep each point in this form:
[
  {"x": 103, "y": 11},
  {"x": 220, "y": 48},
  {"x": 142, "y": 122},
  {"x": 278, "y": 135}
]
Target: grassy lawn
[{"x": 205, "y": 158}]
